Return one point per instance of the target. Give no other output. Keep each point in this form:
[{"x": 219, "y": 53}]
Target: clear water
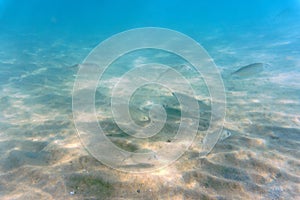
[{"x": 41, "y": 45}]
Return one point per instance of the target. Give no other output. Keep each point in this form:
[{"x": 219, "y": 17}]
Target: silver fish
[
  {"x": 224, "y": 135},
  {"x": 249, "y": 70}
]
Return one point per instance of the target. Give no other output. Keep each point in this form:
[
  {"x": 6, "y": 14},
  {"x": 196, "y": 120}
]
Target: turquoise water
[{"x": 255, "y": 47}]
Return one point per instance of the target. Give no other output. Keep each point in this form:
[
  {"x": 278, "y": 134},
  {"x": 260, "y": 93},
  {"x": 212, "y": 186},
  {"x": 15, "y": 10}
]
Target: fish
[
  {"x": 224, "y": 135},
  {"x": 249, "y": 70}
]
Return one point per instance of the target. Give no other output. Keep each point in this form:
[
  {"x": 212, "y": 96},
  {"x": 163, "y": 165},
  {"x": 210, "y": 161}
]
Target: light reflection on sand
[{"x": 41, "y": 153}]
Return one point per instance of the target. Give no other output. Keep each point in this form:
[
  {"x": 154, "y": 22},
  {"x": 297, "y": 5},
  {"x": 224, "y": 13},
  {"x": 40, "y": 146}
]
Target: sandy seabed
[{"x": 42, "y": 157}]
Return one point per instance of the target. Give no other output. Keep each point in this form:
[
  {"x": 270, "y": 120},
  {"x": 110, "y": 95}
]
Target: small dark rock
[{"x": 274, "y": 137}]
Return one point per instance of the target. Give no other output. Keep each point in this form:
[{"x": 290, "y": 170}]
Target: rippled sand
[{"x": 41, "y": 156}]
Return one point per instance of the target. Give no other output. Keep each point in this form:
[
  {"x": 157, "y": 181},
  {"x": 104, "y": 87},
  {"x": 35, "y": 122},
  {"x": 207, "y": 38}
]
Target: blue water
[
  {"x": 53, "y": 18},
  {"x": 43, "y": 43}
]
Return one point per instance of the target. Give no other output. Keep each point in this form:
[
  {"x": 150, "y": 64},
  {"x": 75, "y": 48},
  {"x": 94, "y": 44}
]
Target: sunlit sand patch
[
  {"x": 289, "y": 101},
  {"x": 159, "y": 184},
  {"x": 139, "y": 61},
  {"x": 72, "y": 145},
  {"x": 27, "y": 74},
  {"x": 227, "y": 50},
  {"x": 86, "y": 117},
  {"x": 9, "y": 61},
  {"x": 290, "y": 79},
  {"x": 279, "y": 43},
  {"x": 296, "y": 120},
  {"x": 34, "y": 184}
]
